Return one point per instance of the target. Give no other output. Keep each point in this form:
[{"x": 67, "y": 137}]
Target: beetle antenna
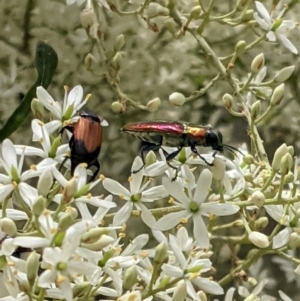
[{"x": 232, "y": 149}]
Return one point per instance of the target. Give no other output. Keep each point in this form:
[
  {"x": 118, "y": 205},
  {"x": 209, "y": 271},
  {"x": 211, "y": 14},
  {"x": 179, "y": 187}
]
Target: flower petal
[
  {"x": 48, "y": 102},
  {"x": 136, "y": 177},
  {"x": 9, "y": 155},
  {"x": 203, "y": 186},
  {"x": 170, "y": 220},
  {"x": 200, "y": 231},
  {"x": 115, "y": 187},
  {"x": 123, "y": 214},
  {"x": 220, "y": 209},
  {"x": 146, "y": 215},
  {"x": 176, "y": 191}
]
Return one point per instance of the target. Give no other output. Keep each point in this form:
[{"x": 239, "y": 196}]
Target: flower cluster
[{"x": 69, "y": 251}]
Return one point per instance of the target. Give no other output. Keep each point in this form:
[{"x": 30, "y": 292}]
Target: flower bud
[
  {"x": 247, "y": 16},
  {"x": 89, "y": 62},
  {"x": 261, "y": 223},
  {"x": 65, "y": 220},
  {"x": 39, "y": 206},
  {"x": 72, "y": 211},
  {"x": 80, "y": 289},
  {"x": 289, "y": 178},
  {"x": 195, "y": 12},
  {"x": 101, "y": 243},
  {"x": 218, "y": 169},
  {"x": 118, "y": 107},
  {"x": 70, "y": 190},
  {"x": 248, "y": 159},
  {"x": 32, "y": 267},
  {"x": 45, "y": 182},
  {"x": 154, "y": 104},
  {"x": 87, "y": 18},
  {"x": 130, "y": 278},
  {"x": 279, "y": 153},
  {"x": 286, "y": 164},
  {"x": 284, "y": 74},
  {"x": 171, "y": 26},
  {"x": 277, "y": 95},
  {"x": 150, "y": 158},
  {"x": 259, "y": 239},
  {"x": 93, "y": 235},
  {"x": 294, "y": 240},
  {"x": 248, "y": 177},
  {"x": 255, "y": 110},
  {"x": 37, "y": 109},
  {"x": 258, "y": 198},
  {"x": 155, "y": 9},
  {"x": 54, "y": 146},
  {"x": 119, "y": 43},
  {"x": 180, "y": 292},
  {"x": 257, "y": 63},
  {"x": 202, "y": 296},
  {"x": 161, "y": 253},
  {"x": 177, "y": 99},
  {"x": 240, "y": 47},
  {"x": 291, "y": 150},
  {"x": 238, "y": 223},
  {"x": 133, "y": 296},
  {"x": 106, "y": 256},
  {"x": 8, "y": 226},
  {"x": 227, "y": 101},
  {"x": 116, "y": 61}
]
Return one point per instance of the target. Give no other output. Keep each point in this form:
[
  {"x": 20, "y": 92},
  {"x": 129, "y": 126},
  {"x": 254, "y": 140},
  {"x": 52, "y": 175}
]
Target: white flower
[
  {"x": 14, "y": 269},
  {"x": 48, "y": 227},
  {"x": 136, "y": 196},
  {"x": 71, "y": 105},
  {"x": 191, "y": 267},
  {"x": 81, "y": 195},
  {"x": 61, "y": 265},
  {"x": 185, "y": 242},
  {"x": 286, "y": 218},
  {"x": 15, "y": 177},
  {"x": 193, "y": 206},
  {"x": 276, "y": 29},
  {"x": 41, "y": 134}
]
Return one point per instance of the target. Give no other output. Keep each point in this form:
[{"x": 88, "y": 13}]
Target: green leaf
[{"x": 45, "y": 64}]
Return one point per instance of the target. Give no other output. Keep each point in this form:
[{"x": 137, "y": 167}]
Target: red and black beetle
[
  {"x": 155, "y": 134},
  {"x": 85, "y": 143}
]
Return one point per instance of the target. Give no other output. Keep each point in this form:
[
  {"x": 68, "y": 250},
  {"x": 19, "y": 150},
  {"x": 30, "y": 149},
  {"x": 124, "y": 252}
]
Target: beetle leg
[
  {"x": 63, "y": 162},
  {"x": 194, "y": 150},
  {"x": 171, "y": 157},
  {"x": 97, "y": 165},
  {"x": 146, "y": 148}
]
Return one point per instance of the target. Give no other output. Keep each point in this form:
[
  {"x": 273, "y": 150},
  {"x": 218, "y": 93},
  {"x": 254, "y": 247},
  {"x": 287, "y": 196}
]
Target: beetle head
[
  {"x": 90, "y": 115},
  {"x": 214, "y": 139}
]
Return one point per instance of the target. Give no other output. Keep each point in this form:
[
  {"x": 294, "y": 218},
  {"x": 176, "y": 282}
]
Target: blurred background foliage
[{"x": 153, "y": 64}]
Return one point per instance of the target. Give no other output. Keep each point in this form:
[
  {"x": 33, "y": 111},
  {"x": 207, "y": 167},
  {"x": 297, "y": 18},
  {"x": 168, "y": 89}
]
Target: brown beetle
[{"x": 85, "y": 143}]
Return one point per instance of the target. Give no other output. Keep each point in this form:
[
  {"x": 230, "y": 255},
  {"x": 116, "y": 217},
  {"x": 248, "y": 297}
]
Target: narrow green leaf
[{"x": 45, "y": 64}]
